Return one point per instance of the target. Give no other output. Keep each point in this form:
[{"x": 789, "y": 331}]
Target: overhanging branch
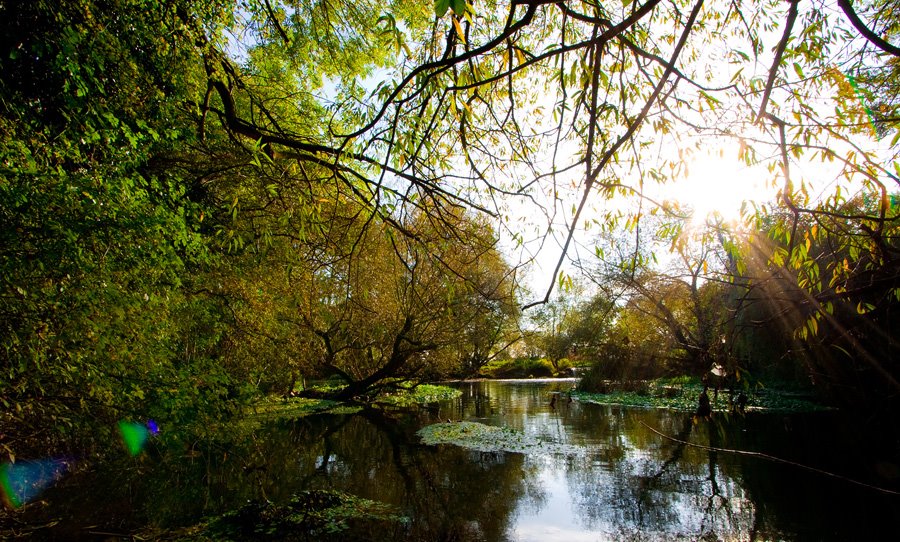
[{"x": 876, "y": 40}]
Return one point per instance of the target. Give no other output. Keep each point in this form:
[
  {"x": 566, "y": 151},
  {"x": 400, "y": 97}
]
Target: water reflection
[
  {"x": 621, "y": 482},
  {"x": 632, "y": 484}
]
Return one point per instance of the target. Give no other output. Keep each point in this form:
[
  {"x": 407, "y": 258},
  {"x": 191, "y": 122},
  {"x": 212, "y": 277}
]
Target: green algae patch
[
  {"x": 297, "y": 407},
  {"x": 274, "y": 407},
  {"x": 487, "y": 438},
  {"x": 316, "y": 515}
]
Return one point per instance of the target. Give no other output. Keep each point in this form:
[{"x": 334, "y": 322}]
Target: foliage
[
  {"x": 204, "y": 200},
  {"x": 140, "y": 239},
  {"x": 420, "y": 394},
  {"x": 620, "y": 362},
  {"x": 406, "y": 394},
  {"x": 296, "y": 407},
  {"x": 96, "y": 240},
  {"x": 681, "y": 393},
  {"x": 672, "y": 319},
  {"x": 391, "y": 310},
  {"x": 572, "y": 325},
  {"x": 523, "y": 367},
  {"x": 821, "y": 311}
]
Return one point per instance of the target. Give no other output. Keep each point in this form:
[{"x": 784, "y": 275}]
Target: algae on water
[
  {"x": 319, "y": 515},
  {"x": 487, "y": 438}
]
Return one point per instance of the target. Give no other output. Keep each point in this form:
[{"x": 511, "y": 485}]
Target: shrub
[{"x": 520, "y": 368}]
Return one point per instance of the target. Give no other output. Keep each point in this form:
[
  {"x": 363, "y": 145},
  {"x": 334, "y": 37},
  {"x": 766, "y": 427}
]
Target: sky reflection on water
[
  {"x": 617, "y": 479},
  {"x": 628, "y": 483}
]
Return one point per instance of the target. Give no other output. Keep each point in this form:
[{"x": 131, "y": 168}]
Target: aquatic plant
[
  {"x": 420, "y": 395},
  {"x": 309, "y": 515},
  {"x": 487, "y": 438},
  {"x": 682, "y": 394},
  {"x": 296, "y": 407}
]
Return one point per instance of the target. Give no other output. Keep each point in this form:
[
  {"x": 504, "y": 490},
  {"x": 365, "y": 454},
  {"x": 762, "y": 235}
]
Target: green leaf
[{"x": 441, "y": 7}]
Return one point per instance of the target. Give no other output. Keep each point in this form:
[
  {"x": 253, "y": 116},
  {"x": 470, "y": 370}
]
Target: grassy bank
[
  {"x": 682, "y": 393},
  {"x": 406, "y": 395}
]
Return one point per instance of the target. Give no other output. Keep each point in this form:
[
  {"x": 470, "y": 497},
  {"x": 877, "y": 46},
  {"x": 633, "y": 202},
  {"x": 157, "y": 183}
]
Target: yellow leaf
[
  {"x": 459, "y": 30},
  {"x": 521, "y": 56}
]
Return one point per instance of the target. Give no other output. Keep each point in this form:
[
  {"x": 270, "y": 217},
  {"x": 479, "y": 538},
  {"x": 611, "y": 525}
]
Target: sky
[{"x": 716, "y": 182}]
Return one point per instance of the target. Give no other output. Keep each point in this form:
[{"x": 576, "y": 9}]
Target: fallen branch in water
[{"x": 772, "y": 458}]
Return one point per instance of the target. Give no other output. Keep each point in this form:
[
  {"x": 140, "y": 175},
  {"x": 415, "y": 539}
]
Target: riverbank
[
  {"x": 275, "y": 407},
  {"x": 510, "y": 466},
  {"x": 683, "y": 393},
  {"x": 518, "y": 368}
]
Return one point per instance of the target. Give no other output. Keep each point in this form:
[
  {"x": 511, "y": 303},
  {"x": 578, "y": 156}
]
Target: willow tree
[
  {"x": 563, "y": 105},
  {"x": 527, "y": 110},
  {"x": 389, "y": 311}
]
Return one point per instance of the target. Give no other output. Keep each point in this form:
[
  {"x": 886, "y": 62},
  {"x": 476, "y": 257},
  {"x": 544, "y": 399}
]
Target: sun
[{"x": 715, "y": 187}]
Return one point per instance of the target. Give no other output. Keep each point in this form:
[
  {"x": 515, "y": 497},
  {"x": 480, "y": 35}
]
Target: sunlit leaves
[{"x": 126, "y": 167}]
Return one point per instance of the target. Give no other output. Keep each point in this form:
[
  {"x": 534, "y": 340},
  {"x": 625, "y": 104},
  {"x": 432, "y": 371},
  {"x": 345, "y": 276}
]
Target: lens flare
[
  {"x": 134, "y": 435},
  {"x": 22, "y": 481},
  {"x": 862, "y": 101}
]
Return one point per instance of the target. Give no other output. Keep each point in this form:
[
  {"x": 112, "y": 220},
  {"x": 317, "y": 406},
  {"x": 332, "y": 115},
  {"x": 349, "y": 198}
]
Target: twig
[
  {"x": 772, "y": 458},
  {"x": 632, "y": 128}
]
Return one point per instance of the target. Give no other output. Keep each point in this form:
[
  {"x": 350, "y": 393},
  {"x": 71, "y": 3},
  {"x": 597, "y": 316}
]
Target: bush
[
  {"x": 520, "y": 368},
  {"x": 620, "y": 367}
]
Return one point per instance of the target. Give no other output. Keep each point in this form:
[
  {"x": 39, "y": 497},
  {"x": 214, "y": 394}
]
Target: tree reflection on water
[{"x": 622, "y": 482}]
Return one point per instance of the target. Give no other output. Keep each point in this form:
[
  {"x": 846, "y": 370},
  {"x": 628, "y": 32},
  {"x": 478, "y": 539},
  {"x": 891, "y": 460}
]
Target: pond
[{"x": 609, "y": 475}]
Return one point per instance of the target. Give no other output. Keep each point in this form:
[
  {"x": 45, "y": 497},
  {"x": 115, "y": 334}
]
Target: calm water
[{"x": 621, "y": 482}]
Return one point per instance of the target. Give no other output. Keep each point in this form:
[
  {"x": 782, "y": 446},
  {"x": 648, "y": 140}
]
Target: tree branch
[
  {"x": 768, "y": 457},
  {"x": 779, "y": 53},
  {"x": 632, "y": 128},
  {"x": 857, "y": 23}
]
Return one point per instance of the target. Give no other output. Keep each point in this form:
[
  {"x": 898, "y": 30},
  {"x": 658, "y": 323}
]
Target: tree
[
  {"x": 148, "y": 146},
  {"x": 95, "y": 241},
  {"x": 553, "y": 321},
  {"x": 673, "y": 311},
  {"x": 618, "y": 81},
  {"x": 357, "y": 302},
  {"x": 830, "y": 297}
]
